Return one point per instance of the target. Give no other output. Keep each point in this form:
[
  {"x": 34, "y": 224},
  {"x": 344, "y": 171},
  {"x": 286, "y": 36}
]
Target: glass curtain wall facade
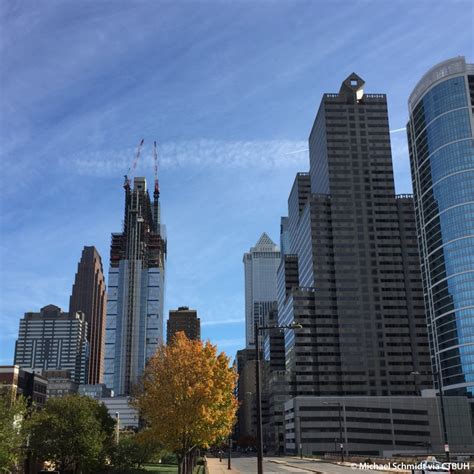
[
  {"x": 134, "y": 324},
  {"x": 260, "y": 270},
  {"x": 440, "y": 136}
]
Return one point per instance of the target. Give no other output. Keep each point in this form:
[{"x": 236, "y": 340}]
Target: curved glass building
[{"x": 440, "y": 136}]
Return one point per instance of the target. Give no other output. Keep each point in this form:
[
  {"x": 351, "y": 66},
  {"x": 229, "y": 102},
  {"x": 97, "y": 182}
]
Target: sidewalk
[{"x": 217, "y": 467}]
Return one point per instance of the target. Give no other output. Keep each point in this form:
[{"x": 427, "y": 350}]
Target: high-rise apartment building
[
  {"x": 134, "y": 325},
  {"x": 89, "y": 296},
  {"x": 53, "y": 340},
  {"x": 183, "y": 320},
  {"x": 353, "y": 252},
  {"x": 260, "y": 267},
  {"x": 441, "y": 144}
]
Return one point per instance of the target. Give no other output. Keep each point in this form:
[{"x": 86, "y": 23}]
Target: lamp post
[
  {"x": 258, "y": 328},
  {"x": 437, "y": 374},
  {"x": 117, "y": 427},
  {"x": 230, "y": 453},
  {"x": 341, "y": 442}
]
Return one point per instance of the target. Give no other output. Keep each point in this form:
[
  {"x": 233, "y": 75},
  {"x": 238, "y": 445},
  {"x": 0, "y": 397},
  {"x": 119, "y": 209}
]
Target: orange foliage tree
[{"x": 187, "y": 397}]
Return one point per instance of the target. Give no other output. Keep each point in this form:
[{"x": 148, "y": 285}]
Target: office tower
[
  {"x": 246, "y": 393},
  {"x": 441, "y": 143},
  {"x": 89, "y": 296},
  {"x": 354, "y": 250},
  {"x": 134, "y": 325},
  {"x": 185, "y": 320},
  {"x": 260, "y": 267},
  {"x": 273, "y": 346},
  {"x": 53, "y": 340}
]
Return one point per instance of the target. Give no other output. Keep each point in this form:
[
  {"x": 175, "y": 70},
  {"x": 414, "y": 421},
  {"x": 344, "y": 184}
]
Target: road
[{"x": 248, "y": 465}]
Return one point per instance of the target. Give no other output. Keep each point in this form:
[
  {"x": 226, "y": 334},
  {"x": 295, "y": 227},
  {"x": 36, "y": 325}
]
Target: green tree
[
  {"x": 134, "y": 450},
  {"x": 74, "y": 432},
  {"x": 13, "y": 411}
]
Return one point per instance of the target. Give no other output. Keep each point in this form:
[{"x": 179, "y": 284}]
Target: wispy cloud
[
  {"x": 201, "y": 153},
  {"x": 397, "y": 130},
  {"x": 222, "y": 322},
  {"x": 221, "y": 343}
]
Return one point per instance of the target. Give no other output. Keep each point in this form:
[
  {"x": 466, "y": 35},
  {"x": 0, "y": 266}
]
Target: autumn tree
[{"x": 187, "y": 396}]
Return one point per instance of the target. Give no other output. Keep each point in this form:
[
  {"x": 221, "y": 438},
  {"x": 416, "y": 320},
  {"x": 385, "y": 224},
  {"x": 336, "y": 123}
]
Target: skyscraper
[
  {"x": 51, "y": 340},
  {"x": 185, "y": 320},
  {"x": 441, "y": 144},
  {"x": 89, "y": 296},
  {"x": 354, "y": 253},
  {"x": 134, "y": 326},
  {"x": 260, "y": 267}
]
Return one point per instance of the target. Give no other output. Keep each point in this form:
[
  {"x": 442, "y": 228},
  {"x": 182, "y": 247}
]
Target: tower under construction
[{"x": 134, "y": 325}]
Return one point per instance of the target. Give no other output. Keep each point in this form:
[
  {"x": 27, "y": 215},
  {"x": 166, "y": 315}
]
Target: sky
[{"x": 229, "y": 90}]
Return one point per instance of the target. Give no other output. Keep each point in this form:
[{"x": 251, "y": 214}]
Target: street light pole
[
  {"x": 257, "y": 329},
  {"x": 340, "y": 432},
  {"x": 443, "y": 415},
  {"x": 230, "y": 453},
  {"x": 437, "y": 374},
  {"x": 341, "y": 442},
  {"x": 259, "y": 403},
  {"x": 117, "y": 427}
]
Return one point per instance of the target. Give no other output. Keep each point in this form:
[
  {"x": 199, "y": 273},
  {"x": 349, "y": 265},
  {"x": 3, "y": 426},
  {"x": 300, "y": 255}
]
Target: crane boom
[
  {"x": 133, "y": 166},
  {"x": 156, "y": 192}
]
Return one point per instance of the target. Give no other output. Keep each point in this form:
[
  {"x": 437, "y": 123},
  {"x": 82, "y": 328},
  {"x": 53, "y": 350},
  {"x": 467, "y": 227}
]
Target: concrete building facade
[
  {"x": 120, "y": 407},
  {"x": 134, "y": 324},
  {"x": 380, "y": 426},
  {"x": 246, "y": 393},
  {"x": 60, "y": 383},
  {"x": 53, "y": 340},
  {"x": 89, "y": 296},
  {"x": 183, "y": 320}
]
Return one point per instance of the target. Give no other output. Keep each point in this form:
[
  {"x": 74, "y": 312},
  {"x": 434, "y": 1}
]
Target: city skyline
[{"x": 80, "y": 156}]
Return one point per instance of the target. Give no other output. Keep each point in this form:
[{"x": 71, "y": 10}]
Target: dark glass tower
[
  {"x": 359, "y": 294},
  {"x": 89, "y": 296},
  {"x": 136, "y": 289},
  {"x": 441, "y": 143}
]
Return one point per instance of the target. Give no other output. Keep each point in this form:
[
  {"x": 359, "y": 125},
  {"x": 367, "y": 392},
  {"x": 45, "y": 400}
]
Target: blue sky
[{"x": 228, "y": 89}]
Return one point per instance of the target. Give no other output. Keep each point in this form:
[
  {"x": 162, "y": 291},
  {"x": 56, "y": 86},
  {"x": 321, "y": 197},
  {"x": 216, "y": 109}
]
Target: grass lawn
[{"x": 164, "y": 468}]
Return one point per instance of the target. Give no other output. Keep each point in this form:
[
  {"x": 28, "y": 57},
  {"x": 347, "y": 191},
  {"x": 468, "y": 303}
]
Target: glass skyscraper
[
  {"x": 440, "y": 136},
  {"x": 134, "y": 325},
  {"x": 260, "y": 267}
]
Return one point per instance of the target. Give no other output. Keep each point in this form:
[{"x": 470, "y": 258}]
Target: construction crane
[
  {"x": 156, "y": 192},
  {"x": 132, "y": 168}
]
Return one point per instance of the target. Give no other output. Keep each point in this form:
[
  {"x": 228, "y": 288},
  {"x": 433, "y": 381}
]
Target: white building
[
  {"x": 120, "y": 407},
  {"x": 260, "y": 267}
]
